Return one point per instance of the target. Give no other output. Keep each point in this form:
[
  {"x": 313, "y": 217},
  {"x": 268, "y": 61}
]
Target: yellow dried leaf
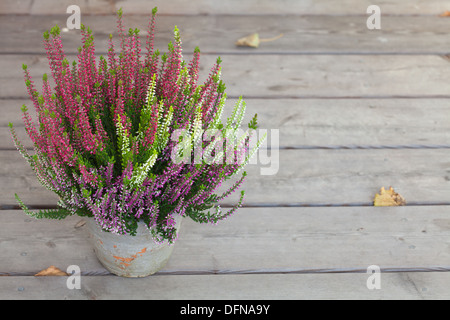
[
  {"x": 249, "y": 41},
  {"x": 253, "y": 40},
  {"x": 51, "y": 271},
  {"x": 388, "y": 198}
]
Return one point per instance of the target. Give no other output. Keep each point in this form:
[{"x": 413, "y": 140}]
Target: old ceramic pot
[{"x": 130, "y": 256}]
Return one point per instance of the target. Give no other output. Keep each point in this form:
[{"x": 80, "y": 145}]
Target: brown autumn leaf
[
  {"x": 51, "y": 271},
  {"x": 388, "y": 198},
  {"x": 445, "y": 14}
]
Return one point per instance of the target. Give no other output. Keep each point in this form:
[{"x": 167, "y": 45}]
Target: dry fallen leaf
[
  {"x": 253, "y": 40},
  {"x": 249, "y": 41},
  {"x": 388, "y": 198},
  {"x": 445, "y": 14},
  {"x": 79, "y": 224},
  {"x": 51, "y": 271}
]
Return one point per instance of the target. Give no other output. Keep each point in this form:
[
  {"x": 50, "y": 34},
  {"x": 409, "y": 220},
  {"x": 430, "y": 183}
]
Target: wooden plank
[
  {"x": 286, "y": 7},
  {"x": 181, "y": 7},
  {"x": 10, "y": 109},
  {"x": 317, "y": 122},
  {"x": 26, "y": 7},
  {"x": 296, "y": 177},
  {"x": 278, "y": 76},
  {"x": 394, "y": 286},
  {"x": 348, "y": 176},
  {"x": 254, "y": 240},
  {"x": 217, "y": 34},
  {"x": 320, "y": 122},
  {"x": 37, "y": 244}
]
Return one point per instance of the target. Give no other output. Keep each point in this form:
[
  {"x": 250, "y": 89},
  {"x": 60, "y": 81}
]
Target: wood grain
[
  {"x": 214, "y": 34},
  {"x": 290, "y": 76},
  {"x": 316, "y": 122},
  {"x": 307, "y": 232},
  {"x": 394, "y": 286},
  {"x": 282, "y": 240},
  {"x": 236, "y": 7},
  {"x": 296, "y": 177}
]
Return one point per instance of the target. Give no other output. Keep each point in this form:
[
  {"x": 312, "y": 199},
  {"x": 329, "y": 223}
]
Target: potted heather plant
[{"x": 110, "y": 137}]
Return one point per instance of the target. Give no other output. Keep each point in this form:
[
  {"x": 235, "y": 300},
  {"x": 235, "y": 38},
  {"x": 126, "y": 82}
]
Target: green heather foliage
[{"x": 104, "y": 140}]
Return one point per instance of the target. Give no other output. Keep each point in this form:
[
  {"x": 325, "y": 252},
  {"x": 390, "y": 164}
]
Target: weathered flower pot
[{"x": 130, "y": 256}]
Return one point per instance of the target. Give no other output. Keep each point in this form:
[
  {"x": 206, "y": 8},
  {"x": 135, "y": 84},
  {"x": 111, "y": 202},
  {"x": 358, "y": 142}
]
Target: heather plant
[{"x": 104, "y": 135}]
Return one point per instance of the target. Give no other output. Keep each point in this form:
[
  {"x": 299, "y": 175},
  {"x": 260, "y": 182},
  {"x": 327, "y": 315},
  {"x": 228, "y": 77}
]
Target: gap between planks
[
  {"x": 100, "y": 273},
  {"x": 309, "y": 97},
  {"x": 285, "y": 53},
  {"x": 261, "y": 205},
  {"x": 249, "y": 14}
]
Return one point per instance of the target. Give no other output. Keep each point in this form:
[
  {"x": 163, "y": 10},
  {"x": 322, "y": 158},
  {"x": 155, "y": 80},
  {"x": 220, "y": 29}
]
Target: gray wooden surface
[{"x": 356, "y": 110}]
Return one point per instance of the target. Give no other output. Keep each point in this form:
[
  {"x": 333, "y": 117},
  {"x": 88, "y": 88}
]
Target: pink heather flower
[{"x": 93, "y": 141}]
